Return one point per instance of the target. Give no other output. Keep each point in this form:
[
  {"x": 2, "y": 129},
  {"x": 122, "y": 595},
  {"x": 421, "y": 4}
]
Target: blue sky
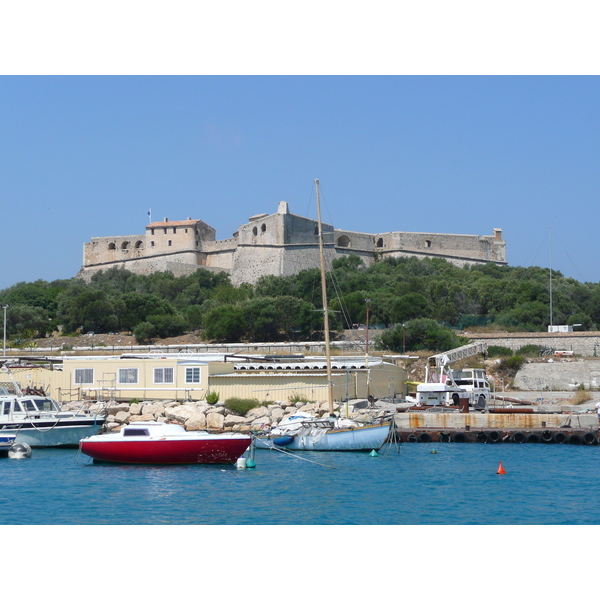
[{"x": 85, "y": 156}]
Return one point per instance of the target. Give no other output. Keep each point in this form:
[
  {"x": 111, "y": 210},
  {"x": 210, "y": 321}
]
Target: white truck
[{"x": 445, "y": 387}]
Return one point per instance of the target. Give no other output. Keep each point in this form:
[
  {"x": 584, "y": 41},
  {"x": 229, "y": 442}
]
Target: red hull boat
[{"x": 165, "y": 443}]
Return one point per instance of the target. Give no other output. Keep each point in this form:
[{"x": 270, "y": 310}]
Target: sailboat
[{"x": 302, "y": 431}]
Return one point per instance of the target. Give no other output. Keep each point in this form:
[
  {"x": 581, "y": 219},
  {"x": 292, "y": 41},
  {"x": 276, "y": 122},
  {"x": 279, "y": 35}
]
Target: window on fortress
[
  {"x": 263, "y": 227},
  {"x": 254, "y": 231},
  {"x": 428, "y": 243},
  {"x": 174, "y": 229},
  {"x": 152, "y": 244},
  {"x": 165, "y": 230},
  {"x": 380, "y": 243},
  {"x": 152, "y": 231},
  {"x": 124, "y": 245},
  {"x": 170, "y": 242},
  {"x": 343, "y": 241},
  {"x": 139, "y": 244},
  {"x": 112, "y": 246}
]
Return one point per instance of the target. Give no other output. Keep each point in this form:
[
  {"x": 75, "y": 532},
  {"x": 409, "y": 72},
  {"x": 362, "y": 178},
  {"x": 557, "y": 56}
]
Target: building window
[
  {"x": 174, "y": 229},
  {"x": 84, "y": 376},
  {"x": 128, "y": 376},
  {"x": 380, "y": 243},
  {"x": 152, "y": 231},
  {"x": 263, "y": 227},
  {"x": 163, "y": 375},
  {"x": 170, "y": 242},
  {"x": 165, "y": 230},
  {"x": 343, "y": 241},
  {"x": 428, "y": 243},
  {"x": 139, "y": 244},
  {"x": 192, "y": 375},
  {"x": 254, "y": 231},
  {"x": 152, "y": 244},
  {"x": 112, "y": 246}
]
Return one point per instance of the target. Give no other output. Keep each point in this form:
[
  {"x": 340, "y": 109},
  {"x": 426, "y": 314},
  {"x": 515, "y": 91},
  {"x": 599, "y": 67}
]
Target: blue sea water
[{"x": 456, "y": 485}]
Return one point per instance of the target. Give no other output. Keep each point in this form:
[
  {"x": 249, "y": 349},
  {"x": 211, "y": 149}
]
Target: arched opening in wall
[
  {"x": 263, "y": 227},
  {"x": 427, "y": 243},
  {"x": 343, "y": 241},
  {"x": 124, "y": 245},
  {"x": 254, "y": 231},
  {"x": 112, "y": 246},
  {"x": 380, "y": 243},
  {"x": 139, "y": 244}
]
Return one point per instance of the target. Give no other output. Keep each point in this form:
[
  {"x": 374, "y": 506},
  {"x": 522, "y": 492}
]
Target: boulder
[
  {"x": 196, "y": 422},
  {"x": 276, "y": 415},
  {"x": 113, "y": 410},
  {"x": 122, "y": 417},
  {"x": 181, "y": 413},
  {"x": 232, "y": 420},
  {"x": 137, "y": 418},
  {"x": 215, "y": 420},
  {"x": 259, "y": 411},
  {"x": 156, "y": 410},
  {"x": 135, "y": 408}
]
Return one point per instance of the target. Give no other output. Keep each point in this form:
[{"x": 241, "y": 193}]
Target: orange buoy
[{"x": 501, "y": 470}]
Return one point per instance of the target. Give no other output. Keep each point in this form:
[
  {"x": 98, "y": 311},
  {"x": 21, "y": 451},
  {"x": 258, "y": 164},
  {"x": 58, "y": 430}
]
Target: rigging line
[{"x": 306, "y": 459}]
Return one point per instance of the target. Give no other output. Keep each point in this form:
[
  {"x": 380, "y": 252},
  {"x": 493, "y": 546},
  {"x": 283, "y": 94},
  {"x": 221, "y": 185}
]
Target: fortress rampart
[{"x": 278, "y": 244}]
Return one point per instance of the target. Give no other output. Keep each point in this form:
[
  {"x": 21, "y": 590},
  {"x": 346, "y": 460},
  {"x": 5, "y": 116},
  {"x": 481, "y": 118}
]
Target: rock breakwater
[{"x": 201, "y": 415}]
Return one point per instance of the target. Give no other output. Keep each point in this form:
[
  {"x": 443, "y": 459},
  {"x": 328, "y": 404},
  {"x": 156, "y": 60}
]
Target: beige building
[
  {"x": 191, "y": 376},
  {"x": 278, "y": 244}
]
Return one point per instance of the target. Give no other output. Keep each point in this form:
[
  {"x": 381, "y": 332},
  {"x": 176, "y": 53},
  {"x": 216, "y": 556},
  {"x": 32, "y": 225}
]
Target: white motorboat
[{"x": 38, "y": 421}]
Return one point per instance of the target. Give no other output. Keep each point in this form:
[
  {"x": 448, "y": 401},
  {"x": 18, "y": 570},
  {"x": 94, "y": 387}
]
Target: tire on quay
[
  {"x": 460, "y": 438},
  {"x": 589, "y": 438},
  {"x": 575, "y": 439},
  {"x": 412, "y": 438},
  {"x": 494, "y": 437},
  {"x": 547, "y": 437},
  {"x": 482, "y": 438},
  {"x": 533, "y": 438},
  {"x": 444, "y": 437},
  {"x": 424, "y": 438},
  {"x": 519, "y": 437},
  {"x": 560, "y": 437}
]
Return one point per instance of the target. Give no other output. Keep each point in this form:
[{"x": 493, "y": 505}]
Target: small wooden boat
[{"x": 164, "y": 443}]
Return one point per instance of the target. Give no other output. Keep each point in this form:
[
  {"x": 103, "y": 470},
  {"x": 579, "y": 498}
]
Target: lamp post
[{"x": 4, "y": 307}]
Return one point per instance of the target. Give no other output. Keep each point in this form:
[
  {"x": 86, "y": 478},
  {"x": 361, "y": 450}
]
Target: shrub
[
  {"x": 508, "y": 367},
  {"x": 530, "y": 350},
  {"x": 241, "y": 406},
  {"x": 212, "y": 397},
  {"x": 498, "y": 351},
  {"x": 298, "y": 398},
  {"x": 581, "y": 396}
]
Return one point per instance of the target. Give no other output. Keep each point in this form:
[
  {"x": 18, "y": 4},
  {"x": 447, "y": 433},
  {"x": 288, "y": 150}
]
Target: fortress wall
[
  {"x": 219, "y": 254},
  {"x": 353, "y": 240},
  {"x": 185, "y": 262},
  {"x": 252, "y": 262},
  {"x": 487, "y": 248},
  {"x": 107, "y": 249}
]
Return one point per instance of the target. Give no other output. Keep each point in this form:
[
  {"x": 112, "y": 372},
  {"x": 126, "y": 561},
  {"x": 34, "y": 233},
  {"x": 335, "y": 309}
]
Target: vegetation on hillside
[{"x": 417, "y": 302}]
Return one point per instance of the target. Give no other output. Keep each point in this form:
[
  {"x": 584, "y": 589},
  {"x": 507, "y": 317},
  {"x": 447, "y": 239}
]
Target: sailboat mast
[{"x": 324, "y": 296}]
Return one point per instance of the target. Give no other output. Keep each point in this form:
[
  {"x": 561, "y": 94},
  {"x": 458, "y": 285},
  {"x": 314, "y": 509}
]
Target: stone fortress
[{"x": 277, "y": 244}]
